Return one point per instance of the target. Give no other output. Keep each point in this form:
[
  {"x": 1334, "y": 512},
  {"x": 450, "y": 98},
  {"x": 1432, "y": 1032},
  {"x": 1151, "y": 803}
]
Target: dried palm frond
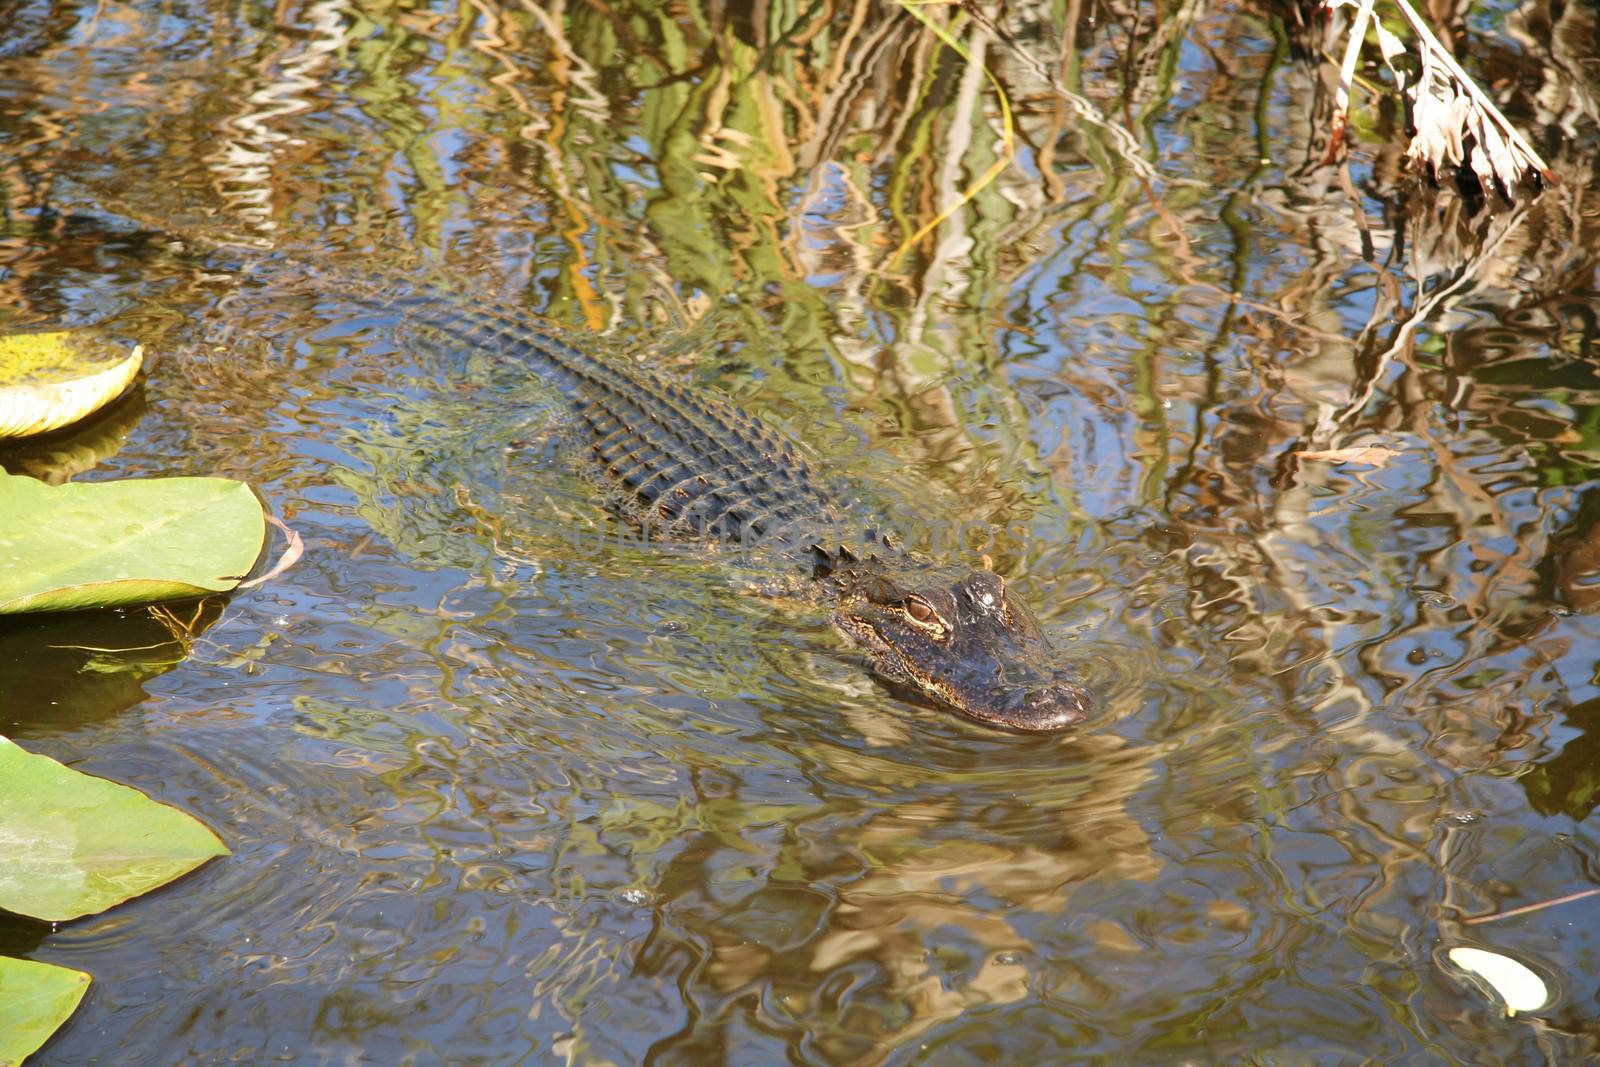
[{"x": 1456, "y": 124}]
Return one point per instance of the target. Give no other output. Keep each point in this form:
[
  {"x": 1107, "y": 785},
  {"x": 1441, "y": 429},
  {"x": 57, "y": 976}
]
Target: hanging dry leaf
[
  {"x": 1392, "y": 48},
  {"x": 1365, "y": 455},
  {"x": 1456, "y": 123}
]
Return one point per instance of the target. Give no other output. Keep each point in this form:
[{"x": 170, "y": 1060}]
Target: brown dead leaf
[
  {"x": 1365, "y": 455},
  {"x": 294, "y": 549}
]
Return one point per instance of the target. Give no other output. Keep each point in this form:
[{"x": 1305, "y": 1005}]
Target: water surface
[{"x": 504, "y": 786}]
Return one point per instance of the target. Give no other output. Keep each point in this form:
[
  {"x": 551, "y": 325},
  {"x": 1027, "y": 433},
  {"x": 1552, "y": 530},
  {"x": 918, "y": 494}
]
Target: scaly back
[{"x": 693, "y": 464}]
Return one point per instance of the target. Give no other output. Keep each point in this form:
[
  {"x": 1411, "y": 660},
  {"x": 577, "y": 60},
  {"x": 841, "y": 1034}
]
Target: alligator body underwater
[{"x": 697, "y": 467}]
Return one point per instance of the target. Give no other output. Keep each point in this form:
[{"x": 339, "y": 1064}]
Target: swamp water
[{"x": 503, "y": 786}]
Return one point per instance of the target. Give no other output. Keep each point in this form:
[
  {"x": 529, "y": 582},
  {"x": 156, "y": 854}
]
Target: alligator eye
[{"x": 921, "y": 612}]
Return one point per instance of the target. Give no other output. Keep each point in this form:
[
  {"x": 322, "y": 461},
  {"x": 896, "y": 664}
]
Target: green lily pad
[
  {"x": 75, "y": 844},
  {"x": 101, "y": 544},
  {"x": 35, "y": 999},
  {"x": 51, "y": 380}
]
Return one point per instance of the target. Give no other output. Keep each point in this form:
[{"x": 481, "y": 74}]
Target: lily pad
[
  {"x": 51, "y": 380},
  {"x": 61, "y": 456},
  {"x": 35, "y": 999},
  {"x": 75, "y": 844},
  {"x": 101, "y": 544}
]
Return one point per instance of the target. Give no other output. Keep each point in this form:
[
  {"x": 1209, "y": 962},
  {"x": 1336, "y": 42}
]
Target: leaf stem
[{"x": 1527, "y": 908}]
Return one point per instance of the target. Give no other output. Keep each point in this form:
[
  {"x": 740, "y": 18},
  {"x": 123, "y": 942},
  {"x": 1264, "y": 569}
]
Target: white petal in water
[{"x": 1520, "y": 988}]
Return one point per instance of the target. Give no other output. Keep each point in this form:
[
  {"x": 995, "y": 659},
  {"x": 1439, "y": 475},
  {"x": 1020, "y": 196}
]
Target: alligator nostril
[
  {"x": 1047, "y": 697},
  {"x": 1054, "y": 706}
]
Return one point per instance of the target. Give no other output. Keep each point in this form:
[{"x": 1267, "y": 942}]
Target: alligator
[{"x": 698, "y": 467}]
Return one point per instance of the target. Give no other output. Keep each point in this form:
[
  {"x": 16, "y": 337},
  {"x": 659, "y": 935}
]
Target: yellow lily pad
[{"x": 51, "y": 380}]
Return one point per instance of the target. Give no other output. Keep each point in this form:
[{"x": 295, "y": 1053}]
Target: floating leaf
[
  {"x": 51, "y": 380},
  {"x": 1519, "y": 987},
  {"x": 99, "y": 544},
  {"x": 35, "y": 999},
  {"x": 1365, "y": 455},
  {"x": 75, "y": 844},
  {"x": 61, "y": 456}
]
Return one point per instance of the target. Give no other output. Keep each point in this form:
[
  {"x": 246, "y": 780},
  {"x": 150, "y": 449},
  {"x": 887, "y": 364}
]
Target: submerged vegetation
[{"x": 1294, "y": 447}]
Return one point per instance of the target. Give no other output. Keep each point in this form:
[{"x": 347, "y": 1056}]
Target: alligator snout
[{"x": 1050, "y": 707}]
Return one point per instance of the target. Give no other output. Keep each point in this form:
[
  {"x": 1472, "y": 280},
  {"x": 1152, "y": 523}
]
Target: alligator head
[{"x": 955, "y": 636}]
